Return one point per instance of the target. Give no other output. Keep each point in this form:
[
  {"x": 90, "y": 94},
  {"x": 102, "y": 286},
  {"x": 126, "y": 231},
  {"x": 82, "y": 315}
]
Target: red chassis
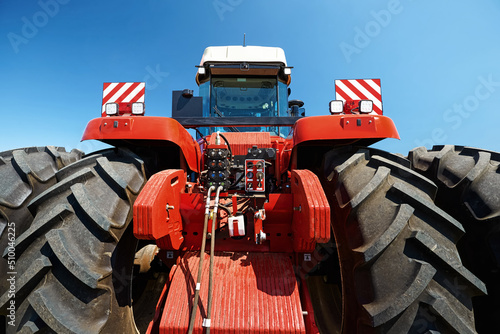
[{"x": 283, "y": 225}]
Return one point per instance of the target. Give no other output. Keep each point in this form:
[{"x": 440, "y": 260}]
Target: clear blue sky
[{"x": 439, "y": 61}]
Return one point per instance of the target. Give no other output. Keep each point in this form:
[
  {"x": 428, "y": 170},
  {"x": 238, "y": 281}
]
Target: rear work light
[
  {"x": 336, "y": 107},
  {"x": 365, "y": 106},
  {"x": 137, "y": 108},
  {"x": 111, "y": 109}
]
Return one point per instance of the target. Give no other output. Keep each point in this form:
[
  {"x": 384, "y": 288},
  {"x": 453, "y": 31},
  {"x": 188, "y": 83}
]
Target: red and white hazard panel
[
  {"x": 360, "y": 89},
  {"x": 122, "y": 93}
]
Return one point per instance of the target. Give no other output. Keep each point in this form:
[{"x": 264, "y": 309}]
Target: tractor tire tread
[
  {"x": 76, "y": 232},
  {"x": 25, "y": 173},
  {"x": 398, "y": 244},
  {"x": 468, "y": 180}
]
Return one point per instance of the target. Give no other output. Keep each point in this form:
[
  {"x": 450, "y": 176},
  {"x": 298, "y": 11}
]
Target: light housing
[
  {"x": 287, "y": 70},
  {"x": 201, "y": 70},
  {"x": 111, "y": 109},
  {"x": 365, "y": 106},
  {"x": 138, "y": 108},
  {"x": 336, "y": 107}
]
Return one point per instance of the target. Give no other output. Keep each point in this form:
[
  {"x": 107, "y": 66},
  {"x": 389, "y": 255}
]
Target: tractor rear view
[{"x": 269, "y": 221}]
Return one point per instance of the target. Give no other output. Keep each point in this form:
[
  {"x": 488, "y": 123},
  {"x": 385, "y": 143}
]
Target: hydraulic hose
[
  {"x": 228, "y": 146},
  {"x": 212, "y": 254},
  {"x": 200, "y": 267}
]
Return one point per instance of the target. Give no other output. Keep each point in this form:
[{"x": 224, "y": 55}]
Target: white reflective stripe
[
  {"x": 366, "y": 93},
  {"x": 110, "y": 88},
  {"x": 241, "y": 226},
  {"x": 120, "y": 91},
  {"x": 346, "y": 90},
  {"x": 198, "y": 285},
  {"x": 375, "y": 86},
  {"x": 136, "y": 92},
  {"x": 206, "y": 322},
  {"x": 231, "y": 227},
  {"x": 337, "y": 94}
]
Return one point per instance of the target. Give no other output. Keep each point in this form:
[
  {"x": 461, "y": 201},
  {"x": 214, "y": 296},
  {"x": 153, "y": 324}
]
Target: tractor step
[{"x": 253, "y": 293}]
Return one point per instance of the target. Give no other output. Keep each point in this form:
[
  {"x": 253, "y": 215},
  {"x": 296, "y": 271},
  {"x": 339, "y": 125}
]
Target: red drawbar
[{"x": 253, "y": 293}]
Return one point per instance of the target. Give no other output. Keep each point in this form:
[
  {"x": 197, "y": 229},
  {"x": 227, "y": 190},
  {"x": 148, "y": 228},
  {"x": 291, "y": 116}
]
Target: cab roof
[{"x": 238, "y": 53}]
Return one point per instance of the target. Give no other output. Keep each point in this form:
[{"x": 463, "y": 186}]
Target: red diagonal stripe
[
  {"x": 106, "y": 85},
  {"x": 127, "y": 92},
  {"x": 138, "y": 96},
  {"x": 376, "y": 94},
  {"x": 113, "y": 92},
  {"x": 343, "y": 94},
  {"x": 361, "y": 96},
  {"x": 356, "y": 92},
  {"x": 370, "y": 89}
]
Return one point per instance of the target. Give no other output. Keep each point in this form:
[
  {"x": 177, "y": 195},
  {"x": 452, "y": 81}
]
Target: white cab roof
[{"x": 237, "y": 53}]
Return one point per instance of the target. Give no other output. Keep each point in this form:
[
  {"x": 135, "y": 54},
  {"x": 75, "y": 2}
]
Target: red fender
[
  {"x": 350, "y": 126},
  {"x": 145, "y": 128}
]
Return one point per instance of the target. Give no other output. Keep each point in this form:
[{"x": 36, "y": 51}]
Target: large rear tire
[
  {"x": 469, "y": 189},
  {"x": 400, "y": 269},
  {"x": 76, "y": 260},
  {"x": 24, "y": 174}
]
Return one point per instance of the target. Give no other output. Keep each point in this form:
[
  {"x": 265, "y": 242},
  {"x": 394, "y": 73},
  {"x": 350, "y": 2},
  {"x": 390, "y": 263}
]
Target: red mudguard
[
  {"x": 108, "y": 129},
  {"x": 336, "y": 127}
]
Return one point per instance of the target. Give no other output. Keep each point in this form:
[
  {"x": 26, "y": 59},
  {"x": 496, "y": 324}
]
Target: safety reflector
[
  {"x": 360, "y": 89},
  {"x": 122, "y": 93},
  {"x": 253, "y": 293}
]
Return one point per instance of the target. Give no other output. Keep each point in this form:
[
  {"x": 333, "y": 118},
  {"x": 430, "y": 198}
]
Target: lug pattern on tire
[
  {"x": 397, "y": 249},
  {"x": 69, "y": 270},
  {"x": 469, "y": 189},
  {"x": 25, "y": 173}
]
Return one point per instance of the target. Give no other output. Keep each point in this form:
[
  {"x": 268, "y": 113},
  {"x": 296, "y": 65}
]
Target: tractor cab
[{"x": 245, "y": 84}]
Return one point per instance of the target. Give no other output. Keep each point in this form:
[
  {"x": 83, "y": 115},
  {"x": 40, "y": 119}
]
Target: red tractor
[{"x": 268, "y": 222}]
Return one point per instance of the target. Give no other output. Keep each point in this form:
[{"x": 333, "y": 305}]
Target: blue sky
[{"x": 438, "y": 60}]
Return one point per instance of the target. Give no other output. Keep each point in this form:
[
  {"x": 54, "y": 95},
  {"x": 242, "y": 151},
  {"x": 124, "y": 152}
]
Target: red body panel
[
  {"x": 253, "y": 293},
  {"x": 293, "y": 222},
  {"x": 145, "y": 128},
  {"x": 241, "y": 141},
  {"x": 335, "y": 127},
  {"x": 277, "y": 225}
]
